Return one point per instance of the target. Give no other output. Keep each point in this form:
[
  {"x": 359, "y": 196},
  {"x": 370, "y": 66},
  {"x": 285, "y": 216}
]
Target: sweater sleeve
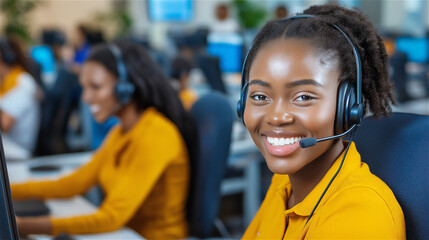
[
  {"x": 70, "y": 185},
  {"x": 141, "y": 171}
]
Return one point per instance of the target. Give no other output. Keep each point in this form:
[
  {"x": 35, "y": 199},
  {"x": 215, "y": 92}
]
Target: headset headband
[
  {"x": 355, "y": 52},
  {"x": 122, "y": 71}
]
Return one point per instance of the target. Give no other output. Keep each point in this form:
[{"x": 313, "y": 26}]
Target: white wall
[
  {"x": 65, "y": 14},
  {"x": 406, "y": 15},
  {"x": 204, "y": 15}
]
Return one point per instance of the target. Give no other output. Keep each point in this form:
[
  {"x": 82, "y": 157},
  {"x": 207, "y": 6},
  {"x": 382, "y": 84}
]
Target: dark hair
[
  {"x": 376, "y": 86},
  {"x": 12, "y": 46},
  {"x": 83, "y": 29},
  {"x": 179, "y": 66},
  {"x": 152, "y": 88}
]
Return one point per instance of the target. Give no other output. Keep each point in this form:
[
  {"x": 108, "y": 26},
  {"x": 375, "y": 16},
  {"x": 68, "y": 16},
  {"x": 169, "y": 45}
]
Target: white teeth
[
  {"x": 283, "y": 141},
  {"x": 95, "y": 108}
]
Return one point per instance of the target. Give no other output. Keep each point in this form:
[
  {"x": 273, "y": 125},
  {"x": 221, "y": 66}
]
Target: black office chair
[
  {"x": 210, "y": 66},
  {"x": 397, "y": 151},
  {"x": 214, "y": 117},
  {"x": 57, "y": 107}
]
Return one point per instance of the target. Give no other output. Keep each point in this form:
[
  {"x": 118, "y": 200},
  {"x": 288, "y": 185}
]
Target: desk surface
[
  {"x": 19, "y": 172},
  {"x": 78, "y": 206}
]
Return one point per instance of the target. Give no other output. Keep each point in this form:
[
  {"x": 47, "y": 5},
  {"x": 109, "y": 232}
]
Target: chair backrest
[
  {"x": 210, "y": 66},
  {"x": 57, "y": 106},
  {"x": 397, "y": 151},
  {"x": 214, "y": 118}
]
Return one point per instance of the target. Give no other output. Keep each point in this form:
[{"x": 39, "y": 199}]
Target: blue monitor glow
[
  {"x": 8, "y": 228},
  {"x": 45, "y": 57},
  {"x": 170, "y": 10},
  {"x": 228, "y": 47},
  {"x": 417, "y": 49}
]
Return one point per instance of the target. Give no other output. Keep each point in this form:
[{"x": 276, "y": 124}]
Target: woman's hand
[{"x": 34, "y": 225}]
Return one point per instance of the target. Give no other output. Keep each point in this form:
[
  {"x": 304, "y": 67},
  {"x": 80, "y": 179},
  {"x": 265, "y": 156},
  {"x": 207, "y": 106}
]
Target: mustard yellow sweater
[{"x": 144, "y": 175}]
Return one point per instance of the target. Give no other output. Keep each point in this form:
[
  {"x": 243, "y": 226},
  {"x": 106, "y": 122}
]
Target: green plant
[
  {"x": 119, "y": 17},
  {"x": 249, "y": 13},
  {"x": 16, "y": 17}
]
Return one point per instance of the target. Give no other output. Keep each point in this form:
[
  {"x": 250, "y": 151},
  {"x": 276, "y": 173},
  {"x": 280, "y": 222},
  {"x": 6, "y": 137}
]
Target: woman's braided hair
[{"x": 376, "y": 85}]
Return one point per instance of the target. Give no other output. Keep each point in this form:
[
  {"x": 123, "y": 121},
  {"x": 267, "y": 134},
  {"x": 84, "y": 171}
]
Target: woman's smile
[{"x": 281, "y": 143}]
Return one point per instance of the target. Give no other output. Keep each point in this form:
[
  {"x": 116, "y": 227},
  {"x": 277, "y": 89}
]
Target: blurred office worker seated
[
  {"x": 180, "y": 69},
  {"x": 143, "y": 166},
  {"x": 19, "y": 100}
]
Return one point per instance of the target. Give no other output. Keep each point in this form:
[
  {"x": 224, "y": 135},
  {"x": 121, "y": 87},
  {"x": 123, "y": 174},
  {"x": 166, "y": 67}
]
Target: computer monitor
[
  {"x": 170, "y": 10},
  {"x": 8, "y": 228},
  {"x": 417, "y": 49},
  {"x": 44, "y": 55},
  {"x": 228, "y": 47}
]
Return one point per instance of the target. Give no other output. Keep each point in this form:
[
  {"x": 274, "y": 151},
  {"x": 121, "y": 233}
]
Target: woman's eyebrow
[
  {"x": 260, "y": 83},
  {"x": 303, "y": 82}
]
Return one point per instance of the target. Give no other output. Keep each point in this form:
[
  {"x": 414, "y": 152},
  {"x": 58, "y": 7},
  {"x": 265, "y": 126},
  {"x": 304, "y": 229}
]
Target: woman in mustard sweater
[
  {"x": 143, "y": 166},
  {"x": 304, "y": 79}
]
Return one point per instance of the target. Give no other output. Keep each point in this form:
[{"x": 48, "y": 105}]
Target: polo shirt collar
[{"x": 305, "y": 207}]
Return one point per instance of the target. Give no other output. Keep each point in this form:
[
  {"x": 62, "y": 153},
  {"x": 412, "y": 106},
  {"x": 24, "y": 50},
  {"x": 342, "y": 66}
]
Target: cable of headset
[{"x": 352, "y": 135}]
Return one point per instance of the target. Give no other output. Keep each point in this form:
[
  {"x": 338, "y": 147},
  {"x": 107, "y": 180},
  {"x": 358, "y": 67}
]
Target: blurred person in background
[
  {"x": 281, "y": 12},
  {"x": 398, "y": 74},
  {"x": 180, "y": 69},
  {"x": 19, "y": 97},
  {"x": 81, "y": 47},
  {"x": 143, "y": 166},
  {"x": 224, "y": 23}
]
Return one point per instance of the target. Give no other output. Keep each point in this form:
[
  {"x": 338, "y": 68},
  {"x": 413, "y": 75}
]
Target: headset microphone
[{"x": 309, "y": 142}]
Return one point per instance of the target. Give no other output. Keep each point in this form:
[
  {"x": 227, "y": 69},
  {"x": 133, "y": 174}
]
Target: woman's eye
[
  {"x": 95, "y": 86},
  {"x": 259, "y": 97},
  {"x": 304, "y": 98}
]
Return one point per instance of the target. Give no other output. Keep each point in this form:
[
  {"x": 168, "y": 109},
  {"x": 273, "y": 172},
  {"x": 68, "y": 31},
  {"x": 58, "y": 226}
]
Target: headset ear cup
[
  {"x": 345, "y": 101},
  {"x": 241, "y": 105},
  {"x": 124, "y": 91}
]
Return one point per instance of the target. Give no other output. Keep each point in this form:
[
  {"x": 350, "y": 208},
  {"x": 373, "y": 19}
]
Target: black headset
[
  {"x": 7, "y": 54},
  {"x": 124, "y": 89},
  {"x": 349, "y": 100}
]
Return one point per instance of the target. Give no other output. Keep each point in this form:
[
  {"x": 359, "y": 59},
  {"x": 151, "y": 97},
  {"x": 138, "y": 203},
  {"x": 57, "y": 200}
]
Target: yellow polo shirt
[{"x": 357, "y": 205}]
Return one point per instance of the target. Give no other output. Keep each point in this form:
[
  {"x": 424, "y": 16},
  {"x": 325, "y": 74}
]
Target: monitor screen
[
  {"x": 45, "y": 57},
  {"x": 417, "y": 49},
  {"x": 170, "y": 10},
  {"x": 228, "y": 48},
  {"x": 8, "y": 229}
]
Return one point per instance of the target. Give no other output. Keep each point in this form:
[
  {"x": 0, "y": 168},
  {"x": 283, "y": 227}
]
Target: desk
[
  {"x": 13, "y": 151},
  {"x": 19, "y": 172},
  {"x": 78, "y": 206}
]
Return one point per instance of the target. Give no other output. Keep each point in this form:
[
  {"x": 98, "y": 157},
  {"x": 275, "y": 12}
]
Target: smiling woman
[
  {"x": 299, "y": 82},
  {"x": 143, "y": 166}
]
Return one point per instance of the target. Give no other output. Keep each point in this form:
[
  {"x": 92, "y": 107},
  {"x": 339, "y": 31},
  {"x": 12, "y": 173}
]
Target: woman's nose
[
  {"x": 86, "y": 96},
  {"x": 279, "y": 115}
]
